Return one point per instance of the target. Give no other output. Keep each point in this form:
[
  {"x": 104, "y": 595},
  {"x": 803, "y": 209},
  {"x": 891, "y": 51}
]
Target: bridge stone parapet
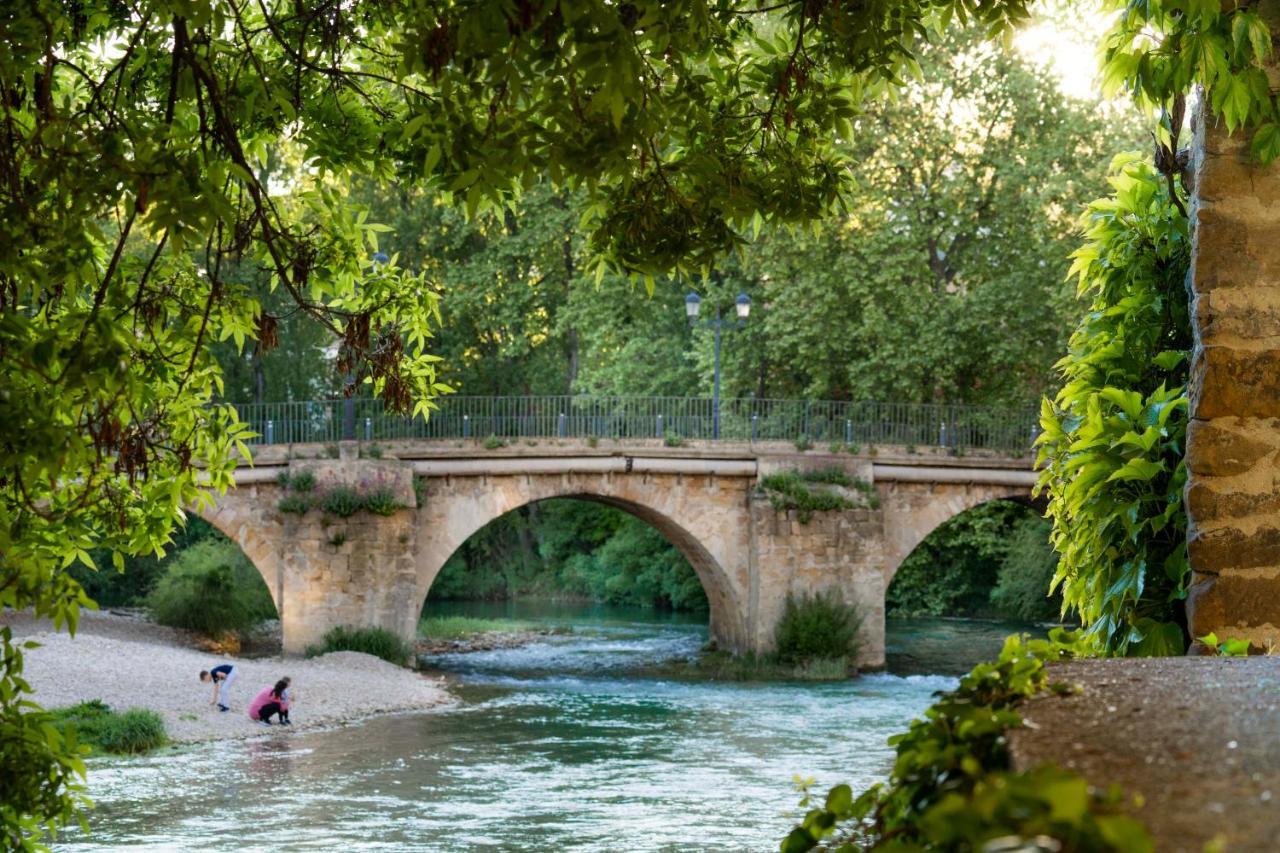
[{"x": 377, "y": 570}]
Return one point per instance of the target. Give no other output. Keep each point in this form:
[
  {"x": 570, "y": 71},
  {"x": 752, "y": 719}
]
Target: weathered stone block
[
  {"x": 1207, "y": 503},
  {"x": 1221, "y": 549},
  {"x": 1215, "y": 602},
  {"x": 1235, "y": 383},
  {"x": 1225, "y": 447}
]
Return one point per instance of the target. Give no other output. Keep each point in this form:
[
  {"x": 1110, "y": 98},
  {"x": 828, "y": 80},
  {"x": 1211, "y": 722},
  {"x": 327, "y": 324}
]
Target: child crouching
[{"x": 272, "y": 702}]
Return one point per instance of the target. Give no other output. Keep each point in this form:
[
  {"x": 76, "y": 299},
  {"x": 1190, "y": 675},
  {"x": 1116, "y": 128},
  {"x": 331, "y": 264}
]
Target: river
[{"x": 565, "y": 744}]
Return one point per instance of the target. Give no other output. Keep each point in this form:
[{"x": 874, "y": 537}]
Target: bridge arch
[
  {"x": 456, "y": 508},
  {"x": 240, "y": 517},
  {"x": 912, "y": 511}
]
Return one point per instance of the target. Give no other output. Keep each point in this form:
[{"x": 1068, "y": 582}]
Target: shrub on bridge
[
  {"x": 819, "y": 627},
  {"x": 378, "y": 642},
  {"x": 211, "y": 588},
  {"x": 805, "y": 492},
  {"x": 381, "y": 502},
  {"x": 342, "y": 502}
]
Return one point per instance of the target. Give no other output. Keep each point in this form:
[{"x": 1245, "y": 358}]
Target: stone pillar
[
  {"x": 1233, "y": 445},
  {"x": 836, "y": 551}
]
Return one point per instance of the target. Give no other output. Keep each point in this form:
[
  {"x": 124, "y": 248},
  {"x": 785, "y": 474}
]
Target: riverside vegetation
[{"x": 97, "y": 728}]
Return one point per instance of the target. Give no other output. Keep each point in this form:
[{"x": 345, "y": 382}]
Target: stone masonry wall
[
  {"x": 1233, "y": 446},
  {"x": 841, "y": 551}
]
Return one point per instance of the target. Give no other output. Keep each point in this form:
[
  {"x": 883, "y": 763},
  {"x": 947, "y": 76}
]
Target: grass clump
[
  {"x": 303, "y": 481},
  {"x": 95, "y": 725},
  {"x": 818, "y": 628},
  {"x": 213, "y": 589},
  {"x": 378, "y": 642},
  {"x": 342, "y": 502},
  {"x": 726, "y": 666},
  {"x": 494, "y": 443},
  {"x": 381, "y": 502},
  {"x": 674, "y": 441},
  {"x": 294, "y": 504},
  {"x": 794, "y": 490}
]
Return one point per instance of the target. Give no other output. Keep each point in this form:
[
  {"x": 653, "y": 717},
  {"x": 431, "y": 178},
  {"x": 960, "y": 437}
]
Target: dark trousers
[{"x": 267, "y": 711}]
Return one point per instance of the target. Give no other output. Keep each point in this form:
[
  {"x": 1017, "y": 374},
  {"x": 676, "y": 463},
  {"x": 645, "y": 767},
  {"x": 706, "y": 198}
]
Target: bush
[
  {"x": 212, "y": 588},
  {"x": 818, "y": 627},
  {"x": 342, "y": 502},
  {"x": 381, "y": 502},
  {"x": 294, "y": 504},
  {"x": 790, "y": 490},
  {"x": 378, "y": 642},
  {"x": 494, "y": 443},
  {"x": 134, "y": 731},
  {"x": 303, "y": 481}
]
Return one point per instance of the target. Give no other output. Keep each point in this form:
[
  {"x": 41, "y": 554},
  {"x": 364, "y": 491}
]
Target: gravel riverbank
[{"x": 130, "y": 663}]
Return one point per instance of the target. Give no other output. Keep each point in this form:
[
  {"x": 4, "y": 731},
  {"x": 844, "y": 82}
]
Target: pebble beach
[{"x": 130, "y": 663}]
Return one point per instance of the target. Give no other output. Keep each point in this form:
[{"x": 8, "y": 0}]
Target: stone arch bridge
[{"x": 376, "y": 570}]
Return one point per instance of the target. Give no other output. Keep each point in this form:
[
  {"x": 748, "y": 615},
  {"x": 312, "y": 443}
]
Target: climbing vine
[{"x": 1113, "y": 441}]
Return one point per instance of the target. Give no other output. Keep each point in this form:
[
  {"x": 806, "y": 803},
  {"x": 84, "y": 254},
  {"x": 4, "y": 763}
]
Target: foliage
[
  {"x": 378, "y": 642},
  {"x": 985, "y": 562},
  {"x": 212, "y": 588},
  {"x": 1160, "y": 51},
  {"x": 303, "y": 481},
  {"x": 1226, "y": 647},
  {"x": 817, "y": 627},
  {"x": 494, "y": 443},
  {"x": 130, "y": 732},
  {"x": 951, "y": 787},
  {"x": 381, "y": 501},
  {"x": 789, "y": 490},
  {"x": 1026, "y": 574},
  {"x": 342, "y": 501},
  {"x": 128, "y": 586},
  {"x": 575, "y": 549},
  {"x": 1113, "y": 439}
]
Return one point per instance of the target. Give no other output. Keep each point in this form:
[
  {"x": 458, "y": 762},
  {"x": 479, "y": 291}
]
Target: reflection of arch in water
[{"x": 715, "y": 547}]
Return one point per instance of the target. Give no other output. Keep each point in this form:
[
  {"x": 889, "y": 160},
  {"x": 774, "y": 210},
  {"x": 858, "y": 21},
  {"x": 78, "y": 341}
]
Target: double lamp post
[{"x": 742, "y": 307}]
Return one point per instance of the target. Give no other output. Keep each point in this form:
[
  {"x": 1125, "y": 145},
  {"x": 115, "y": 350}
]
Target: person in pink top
[{"x": 272, "y": 701}]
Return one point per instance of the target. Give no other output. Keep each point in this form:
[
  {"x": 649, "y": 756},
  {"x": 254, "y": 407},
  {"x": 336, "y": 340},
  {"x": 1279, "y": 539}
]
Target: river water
[{"x": 569, "y": 743}]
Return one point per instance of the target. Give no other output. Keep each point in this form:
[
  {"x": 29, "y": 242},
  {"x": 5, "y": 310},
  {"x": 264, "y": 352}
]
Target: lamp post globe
[{"x": 692, "y": 303}]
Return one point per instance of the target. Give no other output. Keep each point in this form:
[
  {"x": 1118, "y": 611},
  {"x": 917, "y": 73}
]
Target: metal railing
[{"x": 671, "y": 418}]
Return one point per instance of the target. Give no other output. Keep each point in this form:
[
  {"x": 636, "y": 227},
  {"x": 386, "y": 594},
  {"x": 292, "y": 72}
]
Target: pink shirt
[{"x": 261, "y": 699}]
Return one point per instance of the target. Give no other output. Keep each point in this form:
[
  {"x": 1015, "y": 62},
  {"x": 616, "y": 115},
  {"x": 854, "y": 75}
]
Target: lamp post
[{"x": 692, "y": 305}]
